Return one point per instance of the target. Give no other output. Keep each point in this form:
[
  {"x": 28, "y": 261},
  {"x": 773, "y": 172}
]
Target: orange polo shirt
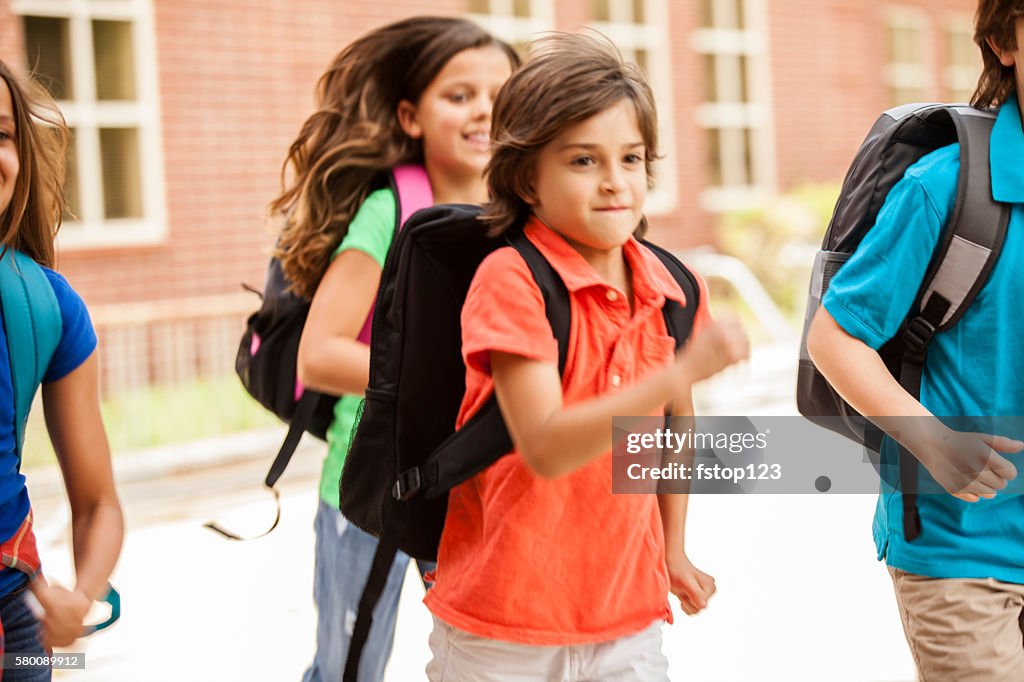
[{"x": 564, "y": 561}]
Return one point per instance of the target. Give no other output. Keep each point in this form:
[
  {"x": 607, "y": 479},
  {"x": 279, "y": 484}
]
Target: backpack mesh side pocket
[{"x": 369, "y": 471}]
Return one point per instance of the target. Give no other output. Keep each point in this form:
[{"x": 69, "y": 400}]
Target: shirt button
[
  {"x": 612, "y": 295},
  {"x": 616, "y": 380}
]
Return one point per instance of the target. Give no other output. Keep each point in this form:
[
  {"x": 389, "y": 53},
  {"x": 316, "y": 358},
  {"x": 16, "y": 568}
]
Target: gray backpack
[{"x": 967, "y": 252}]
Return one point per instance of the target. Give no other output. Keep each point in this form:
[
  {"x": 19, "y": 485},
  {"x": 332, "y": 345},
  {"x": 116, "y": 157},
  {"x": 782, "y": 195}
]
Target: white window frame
[
  {"x": 754, "y": 115},
  {"x": 959, "y": 76},
  {"x": 652, "y": 37},
  {"x": 87, "y": 116},
  {"x": 919, "y": 75},
  {"x": 503, "y": 23}
]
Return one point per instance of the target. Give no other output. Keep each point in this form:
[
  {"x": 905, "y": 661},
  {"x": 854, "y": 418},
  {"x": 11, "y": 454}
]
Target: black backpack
[
  {"x": 966, "y": 253},
  {"x": 406, "y": 455},
  {"x": 268, "y": 351}
]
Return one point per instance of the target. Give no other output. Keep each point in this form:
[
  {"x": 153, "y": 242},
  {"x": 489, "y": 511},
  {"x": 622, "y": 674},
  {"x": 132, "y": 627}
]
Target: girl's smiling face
[
  {"x": 453, "y": 116},
  {"x": 9, "y": 164}
]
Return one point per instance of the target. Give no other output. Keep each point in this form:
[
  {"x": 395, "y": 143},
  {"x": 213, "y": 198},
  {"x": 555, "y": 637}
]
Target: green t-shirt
[{"x": 371, "y": 232}]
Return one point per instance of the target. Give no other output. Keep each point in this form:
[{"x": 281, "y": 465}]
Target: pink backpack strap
[
  {"x": 414, "y": 190},
  {"x": 414, "y": 193}
]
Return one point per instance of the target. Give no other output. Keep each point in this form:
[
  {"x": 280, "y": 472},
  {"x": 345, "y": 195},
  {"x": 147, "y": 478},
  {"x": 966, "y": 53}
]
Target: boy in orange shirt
[{"x": 543, "y": 573}]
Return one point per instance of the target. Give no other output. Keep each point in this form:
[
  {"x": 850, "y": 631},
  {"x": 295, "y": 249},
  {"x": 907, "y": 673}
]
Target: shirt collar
[
  {"x": 1006, "y": 154},
  {"x": 652, "y": 283}
]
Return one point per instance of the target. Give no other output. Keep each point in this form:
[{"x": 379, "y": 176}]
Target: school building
[{"x": 182, "y": 111}]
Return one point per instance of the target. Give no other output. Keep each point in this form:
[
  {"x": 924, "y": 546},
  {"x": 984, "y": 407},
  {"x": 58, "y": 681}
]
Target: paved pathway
[{"x": 800, "y": 595}]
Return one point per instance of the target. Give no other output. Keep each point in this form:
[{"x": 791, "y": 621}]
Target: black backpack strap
[
  {"x": 304, "y": 410},
  {"x": 678, "y": 319},
  {"x": 395, "y": 520},
  {"x": 552, "y": 288},
  {"x": 961, "y": 266}
]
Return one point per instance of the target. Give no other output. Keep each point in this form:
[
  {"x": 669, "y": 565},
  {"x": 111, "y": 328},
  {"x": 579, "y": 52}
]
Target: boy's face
[
  {"x": 589, "y": 183},
  {"x": 9, "y": 164}
]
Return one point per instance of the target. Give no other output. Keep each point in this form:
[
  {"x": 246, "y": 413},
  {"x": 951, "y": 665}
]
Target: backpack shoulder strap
[
  {"x": 970, "y": 246},
  {"x": 973, "y": 236},
  {"x": 33, "y": 325},
  {"x": 678, "y": 319},
  {"x": 412, "y": 191},
  {"x": 552, "y": 288}
]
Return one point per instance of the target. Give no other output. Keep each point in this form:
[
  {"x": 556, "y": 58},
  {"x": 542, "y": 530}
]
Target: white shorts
[{"x": 462, "y": 657}]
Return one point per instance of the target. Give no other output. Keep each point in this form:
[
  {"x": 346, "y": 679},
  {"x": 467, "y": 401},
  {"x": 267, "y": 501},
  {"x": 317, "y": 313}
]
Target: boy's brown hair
[
  {"x": 995, "y": 20},
  {"x": 567, "y": 79}
]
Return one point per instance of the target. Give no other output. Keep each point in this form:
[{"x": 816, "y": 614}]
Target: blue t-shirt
[
  {"x": 976, "y": 369},
  {"x": 77, "y": 342}
]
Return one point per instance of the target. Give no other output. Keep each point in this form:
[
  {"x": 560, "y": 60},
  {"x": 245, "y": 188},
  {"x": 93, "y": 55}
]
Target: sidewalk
[{"x": 800, "y": 596}]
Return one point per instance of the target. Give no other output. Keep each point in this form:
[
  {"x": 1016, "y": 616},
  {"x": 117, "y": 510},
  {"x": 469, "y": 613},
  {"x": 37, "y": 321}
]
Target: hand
[
  {"x": 717, "y": 346},
  {"x": 967, "y": 465},
  {"x": 64, "y": 612},
  {"x": 692, "y": 586}
]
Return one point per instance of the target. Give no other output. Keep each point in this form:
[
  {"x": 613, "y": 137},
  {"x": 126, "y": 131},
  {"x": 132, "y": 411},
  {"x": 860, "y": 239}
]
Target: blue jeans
[
  {"x": 343, "y": 557},
  {"x": 21, "y": 636}
]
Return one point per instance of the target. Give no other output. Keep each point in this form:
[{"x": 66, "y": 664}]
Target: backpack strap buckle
[
  {"x": 407, "y": 484},
  {"x": 918, "y": 334}
]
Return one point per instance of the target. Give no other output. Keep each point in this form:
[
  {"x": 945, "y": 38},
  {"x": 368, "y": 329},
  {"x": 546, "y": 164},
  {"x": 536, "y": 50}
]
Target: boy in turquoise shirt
[{"x": 960, "y": 584}]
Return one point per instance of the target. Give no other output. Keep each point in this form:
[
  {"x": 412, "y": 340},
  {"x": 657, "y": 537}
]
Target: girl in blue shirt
[{"x": 33, "y": 142}]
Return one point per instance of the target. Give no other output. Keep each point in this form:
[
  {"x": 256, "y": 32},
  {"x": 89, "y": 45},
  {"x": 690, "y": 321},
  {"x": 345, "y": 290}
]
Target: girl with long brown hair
[{"x": 418, "y": 91}]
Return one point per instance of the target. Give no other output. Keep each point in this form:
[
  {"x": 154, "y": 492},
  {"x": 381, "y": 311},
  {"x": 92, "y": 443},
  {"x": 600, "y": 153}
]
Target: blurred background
[{"x": 182, "y": 111}]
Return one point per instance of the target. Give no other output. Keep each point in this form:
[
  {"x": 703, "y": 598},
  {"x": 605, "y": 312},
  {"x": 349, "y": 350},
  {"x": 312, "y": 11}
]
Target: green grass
[{"x": 161, "y": 415}]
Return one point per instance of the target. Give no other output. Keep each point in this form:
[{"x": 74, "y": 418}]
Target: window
[
  {"x": 907, "y": 75},
  {"x": 735, "y": 111},
  {"x": 638, "y": 29},
  {"x": 96, "y": 57},
  {"x": 514, "y": 21},
  {"x": 963, "y": 60}
]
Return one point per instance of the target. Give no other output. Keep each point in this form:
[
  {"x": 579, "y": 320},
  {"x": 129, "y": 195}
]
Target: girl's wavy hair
[
  {"x": 354, "y": 136},
  {"x": 566, "y": 79},
  {"x": 995, "y": 19},
  {"x": 41, "y": 137}
]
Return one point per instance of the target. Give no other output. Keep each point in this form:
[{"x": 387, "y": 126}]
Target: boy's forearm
[
  {"x": 673, "y": 520},
  {"x": 580, "y": 433},
  {"x": 857, "y": 372},
  {"x": 673, "y": 506}
]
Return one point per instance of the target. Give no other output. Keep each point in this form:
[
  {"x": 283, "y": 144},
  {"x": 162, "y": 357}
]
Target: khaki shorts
[
  {"x": 462, "y": 657},
  {"x": 960, "y": 629}
]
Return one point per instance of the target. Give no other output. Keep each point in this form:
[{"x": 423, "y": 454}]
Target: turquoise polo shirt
[{"x": 976, "y": 369}]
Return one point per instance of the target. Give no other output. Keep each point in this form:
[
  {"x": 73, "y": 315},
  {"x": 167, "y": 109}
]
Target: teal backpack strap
[{"x": 33, "y": 325}]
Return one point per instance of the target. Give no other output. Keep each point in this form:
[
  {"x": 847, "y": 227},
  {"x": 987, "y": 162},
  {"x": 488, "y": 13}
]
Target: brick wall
[
  {"x": 827, "y": 61},
  {"x": 236, "y": 79},
  {"x": 689, "y": 225}
]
